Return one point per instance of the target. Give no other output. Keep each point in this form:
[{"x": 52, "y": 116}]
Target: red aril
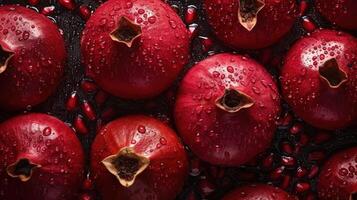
[
  {"x": 134, "y": 49},
  {"x": 245, "y": 23},
  {"x": 319, "y": 79}
]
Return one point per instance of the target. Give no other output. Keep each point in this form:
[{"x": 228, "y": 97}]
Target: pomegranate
[
  {"x": 134, "y": 48},
  {"x": 338, "y": 177},
  {"x": 340, "y": 12},
  {"x": 41, "y": 159},
  {"x": 138, "y": 157},
  {"x": 245, "y": 23},
  {"x": 32, "y": 57},
  {"x": 319, "y": 79},
  {"x": 259, "y": 191},
  {"x": 226, "y": 109}
]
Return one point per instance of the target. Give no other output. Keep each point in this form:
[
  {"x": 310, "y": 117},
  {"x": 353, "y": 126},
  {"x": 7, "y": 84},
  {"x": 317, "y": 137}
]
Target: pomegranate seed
[
  {"x": 313, "y": 171},
  {"x": 296, "y": 128},
  {"x": 322, "y": 137},
  {"x": 277, "y": 173},
  {"x": 175, "y": 8},
  {"x": 308, "y": 25},
  {"x": 72, "y": 102},
  {"x": 297, "y": 148},
  {"x": 191, "y": 14},
  {"x": 88, "y": 110},
  {"x": 84, "y": 12},
  {"x": 195, "y": 167},
  {"x": 304, "y": 139},
  {"x": 205, "y": 187},
  {"x": 87, "y": 184},
  {"x": 101, "y": 97},
  {"x": 206, "y": 42},
  {"x": 108, "y": 114},
  {"x": 301, "y": 172},
  {"x": 48, "y": 10},
  {"x": 302, "y": 7},
  {"x": 80, "y": 125},
  {"x": 86, "y": 196},
  {"x": 316, "y": 156},
  {"x": 193, "y": 30},
  {"x": 288, "y": 161},
  {"x": 268, "y": 161},
  {"x": 285, "y": 120},
  {"x": 68, "y": 4},
  {"x": 287, "y": 148},
  {"x": 286, "y": 182},
  {"x": 88, "y": 86},
  {"x": 33, "y": 2},
  {"x": 302, "y": 187}
]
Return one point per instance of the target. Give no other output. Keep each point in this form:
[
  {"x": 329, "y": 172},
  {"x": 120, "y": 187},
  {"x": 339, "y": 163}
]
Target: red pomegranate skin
[
  {"x": 149, "y": 66},
  {"x": 38, "y": 63},
  {"x": 338, "y": 177},
  {"x": 340, "y": 12},
  {"x": 308, "y": 94},
  {"x": 276, "y": 18},
  {"x": 215, "y": 135},
  {"x": 162, "y": 179},
  {"x": 259, "y": 191},
  {"x": 46, "y": 141}
]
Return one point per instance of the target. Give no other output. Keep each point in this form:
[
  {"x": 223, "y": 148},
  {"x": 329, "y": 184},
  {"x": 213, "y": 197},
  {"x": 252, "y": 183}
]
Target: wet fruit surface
[
  {"x": 226, "y": 109},
  {"x": 293, "y": 161},
  {"x": 41, "y": 158},
  {"x": 37, "y": 57},
  {"x": 134, "y": 157},
  {"x": 338, "y": 177}
]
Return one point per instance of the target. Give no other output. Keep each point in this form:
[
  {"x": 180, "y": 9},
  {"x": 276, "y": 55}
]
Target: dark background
[{"x": 72, "y": 24}]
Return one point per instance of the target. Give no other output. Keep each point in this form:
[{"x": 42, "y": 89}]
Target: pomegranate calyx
[
  {"x": 248, "y": 12},
  {"x": 233, "y": 101},
  {"x": 332, "y": 73},
  {"x": 126, "y": 165},
  {"x": 22, "y": 169},
  {"x": 5, "y": 56},
  {"x": 127, "y": 32}
]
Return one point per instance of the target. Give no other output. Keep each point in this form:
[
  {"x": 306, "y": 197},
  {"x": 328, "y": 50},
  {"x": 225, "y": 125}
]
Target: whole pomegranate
[
  {"x": 134, "y": 48},
  {"x": 40, "y": 158},
  {"x": 341, "y": 12},
  {"x": 32, "y": 57},
  {"x": 319, "y": 79},
  {"x": 338, "y": 177},
  {"x": 259, "y": 191},
  {"x": 226, "y": 109},
  {"x": 138, "y": 157},
  {"x": 245, "y": 23}
]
